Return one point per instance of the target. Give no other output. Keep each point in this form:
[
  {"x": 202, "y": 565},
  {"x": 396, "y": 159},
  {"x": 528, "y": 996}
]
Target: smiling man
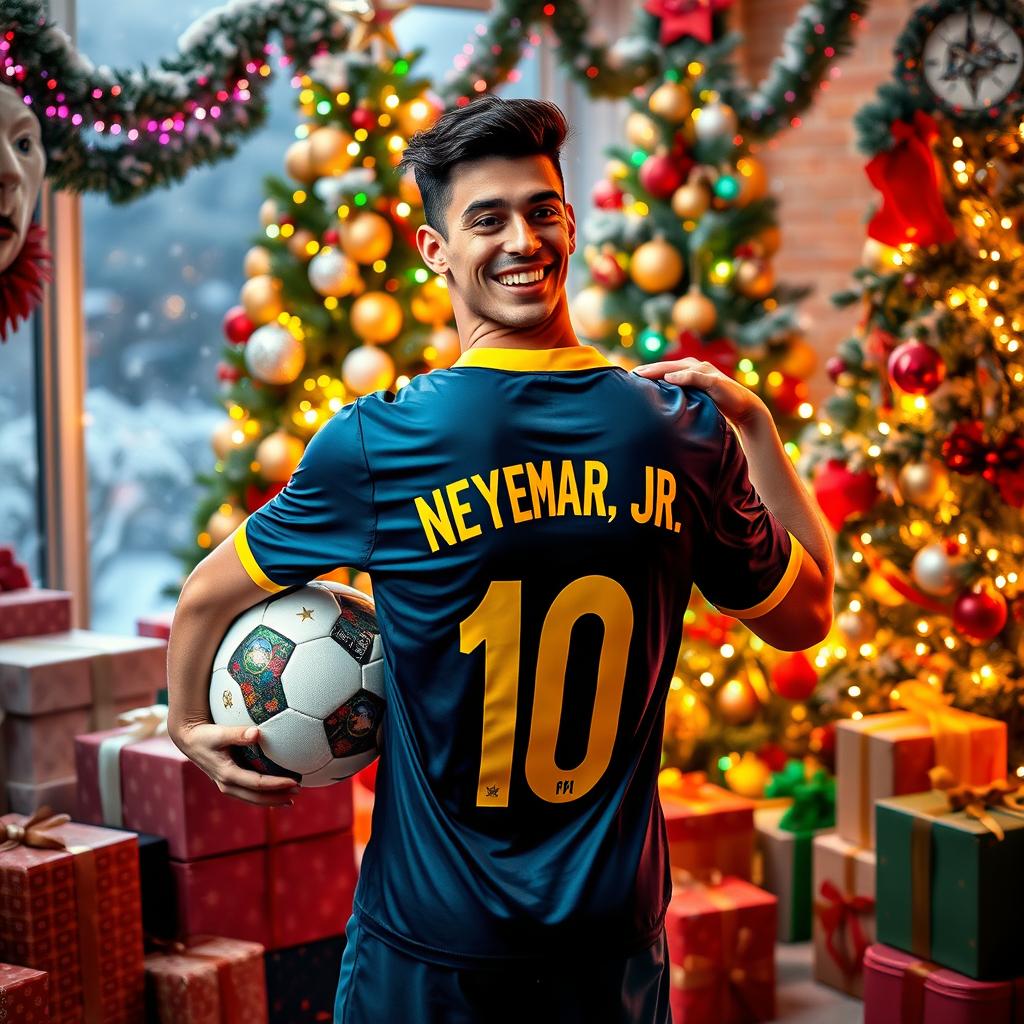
[{"x": 533, "y": 519}]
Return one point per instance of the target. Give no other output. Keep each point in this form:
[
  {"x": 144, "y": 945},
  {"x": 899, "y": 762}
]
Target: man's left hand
[{"x": 737, "y": 403}]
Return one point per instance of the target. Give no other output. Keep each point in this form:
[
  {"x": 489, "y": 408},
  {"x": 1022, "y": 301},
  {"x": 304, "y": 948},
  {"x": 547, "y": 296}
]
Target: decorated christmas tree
[
  {"x": 336, "y": 301},
  {"x": 918, "y": 460},
  {"x": 679, "y": 254}
]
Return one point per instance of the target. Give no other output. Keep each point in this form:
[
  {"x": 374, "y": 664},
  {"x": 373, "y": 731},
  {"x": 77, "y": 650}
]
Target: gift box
[
  {"x": 24, "y": 995},
  {"x": 158, "y": 626},
  {"x": 950, "y": 886},
  {"x": 721, "y": 944},
  {"x": 128, "y": 777},
  {"x": 75, "y": 913},
  {"x": 278, "y": 896},
  {"x": 844, "y": 912},
  {"x": 31, "y": 611},
  {"x": 60, "y": 795},
  {"x": 710, "y": 830},
  {"x": 886, "y": 755},
  {"x": 901, "y": 989},
  {"x": 302, "y": 981},
  {"x": 54, "y": 687},
  {"x": 215, "y": 981}
]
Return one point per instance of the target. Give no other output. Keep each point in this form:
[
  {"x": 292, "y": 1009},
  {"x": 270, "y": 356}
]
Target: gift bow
[
  {"x": 838, "y": 913},
  {"x": 1000, "y": 462},
  {"x": 784, "y": 783},
  {"x": 814, "y": 804},
  {"x": 950, "y": 726},
  {"x": 699, "y": 971},
  {"x": 33, "y": 832},
  {"x": 145, "y": 722},
  {"x": 1001, "y": 794}
]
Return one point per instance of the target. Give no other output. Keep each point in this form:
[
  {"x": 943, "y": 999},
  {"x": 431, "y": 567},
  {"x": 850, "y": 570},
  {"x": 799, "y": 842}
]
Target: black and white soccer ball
[{"x": 307, "y": 667}]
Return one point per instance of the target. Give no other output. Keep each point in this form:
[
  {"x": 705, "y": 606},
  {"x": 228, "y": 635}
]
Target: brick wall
[{"x": 815, "y": 170}]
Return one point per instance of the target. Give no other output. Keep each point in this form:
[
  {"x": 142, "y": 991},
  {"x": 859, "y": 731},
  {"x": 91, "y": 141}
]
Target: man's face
[
  {"x": 22, "y": 163},
  {"x": 506, "y": 218}
]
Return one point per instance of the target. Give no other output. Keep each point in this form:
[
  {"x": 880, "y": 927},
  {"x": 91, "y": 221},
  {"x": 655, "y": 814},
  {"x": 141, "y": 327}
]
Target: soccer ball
[{"x": 306, "y": 666}]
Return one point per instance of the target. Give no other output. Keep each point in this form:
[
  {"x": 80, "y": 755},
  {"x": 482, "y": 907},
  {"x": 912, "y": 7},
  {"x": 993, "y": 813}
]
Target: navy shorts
[{"x": 380, "y": 985}]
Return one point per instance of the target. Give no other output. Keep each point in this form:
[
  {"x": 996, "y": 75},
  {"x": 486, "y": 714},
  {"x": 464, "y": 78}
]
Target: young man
[{"x": 533, "y": 519}]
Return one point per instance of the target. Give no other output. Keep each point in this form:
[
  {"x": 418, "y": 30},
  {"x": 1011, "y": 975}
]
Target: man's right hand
[{"x": 208, "y": 746}]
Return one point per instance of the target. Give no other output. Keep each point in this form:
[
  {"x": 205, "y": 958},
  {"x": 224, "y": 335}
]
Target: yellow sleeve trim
[
  {"x": 782, "y": 588},
  {"x": 251, "y": 566}
]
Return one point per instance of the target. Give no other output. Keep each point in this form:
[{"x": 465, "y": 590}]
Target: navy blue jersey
[{"x": 533, "y": 521}]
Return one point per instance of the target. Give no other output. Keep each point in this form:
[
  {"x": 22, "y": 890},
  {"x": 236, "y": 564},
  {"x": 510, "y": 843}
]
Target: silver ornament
[
  {"x": 273, "y": 355},
  {"x": 933, "y": 570},
  {"x": 857, "y": 627},
  {"x": 717, "y": 121},
  {"x": 332, "y": 273},
  {"x": 923, "y": 483}
]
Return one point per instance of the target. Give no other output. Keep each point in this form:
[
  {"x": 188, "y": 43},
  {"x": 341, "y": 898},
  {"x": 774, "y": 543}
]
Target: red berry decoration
[
  {"x": 916, "y": 367},
  {"x": 660, "y": 175},
  {"x": 964, "y": 449},
  {"x": 834, "y": 367},
  {"x": 237, "y": 326},
  {"x": 228, "y": 373},
  {"x": 331, "y": 237},
  {"x": 980, "y": 614},
  {"x": 607, "y": 195},
  {"x": 842, "y": 493},
  {"x": 794, "y": 678},
  {"x": 363, "y": 117},
  {"x": 607, "y": 271}
]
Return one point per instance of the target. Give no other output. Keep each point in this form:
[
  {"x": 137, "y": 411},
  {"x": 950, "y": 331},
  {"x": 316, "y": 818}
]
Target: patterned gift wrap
[
  {"x": 302, "y": 982},
  {"x": 34, "y": 612},
  {"x": 24, "y": 995},
  {"x": 74, "y": 912},
  {"x": 213, "y": 981}
]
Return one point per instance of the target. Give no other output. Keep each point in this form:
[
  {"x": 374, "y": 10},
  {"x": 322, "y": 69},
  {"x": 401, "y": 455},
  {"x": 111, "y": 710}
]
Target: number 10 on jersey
[{"x": 497, "y": 624}]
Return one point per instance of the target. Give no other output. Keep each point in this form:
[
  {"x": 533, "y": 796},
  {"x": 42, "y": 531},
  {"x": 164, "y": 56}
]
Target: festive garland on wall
[{"x": 125, "y": 132}]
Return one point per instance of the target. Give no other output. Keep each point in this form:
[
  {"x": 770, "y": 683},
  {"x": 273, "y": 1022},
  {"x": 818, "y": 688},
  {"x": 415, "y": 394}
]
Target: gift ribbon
[
  {"x": 143, "y": 723},
  {"x": 35, "y": 832},
  {"x": 814, "y": 805},
  {"x": 784, "y": 783},
  {"x": 899, "y": 580},
  {"x": 230, "y": 1001},
  {"x": 1001, "y": 794},
  {"x": 950, "y": 727},
  {"x": 866, "y": 728},
  {"x": 840, "y": 911}
]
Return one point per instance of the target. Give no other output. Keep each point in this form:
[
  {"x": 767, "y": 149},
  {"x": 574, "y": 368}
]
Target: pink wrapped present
[
  {"x": 158, "y": 626},
  {"x": 214, "y": 981},
  {"x": 34, "y": 612},
  {"x": 899, "y": 988},
  {"x": 59, "y": 795},
  {"x": 225, "y": 894},
  {"x": 721, "y": 943},
  {"x": 24, "y": 995}
]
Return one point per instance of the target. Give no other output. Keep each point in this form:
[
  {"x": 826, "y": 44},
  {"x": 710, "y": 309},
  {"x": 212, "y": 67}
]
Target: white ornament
[
  {"x": 332, "y": 273},
  {"x": 273, "y": 355},
  {"x": 367, "y": 369},
  {"x": 717, "y": 121},
  {"x": 933, "y": 570}
]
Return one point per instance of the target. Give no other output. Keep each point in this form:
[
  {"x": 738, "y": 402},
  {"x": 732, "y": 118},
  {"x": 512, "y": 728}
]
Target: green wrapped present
[{"x": 950, "y": 879}]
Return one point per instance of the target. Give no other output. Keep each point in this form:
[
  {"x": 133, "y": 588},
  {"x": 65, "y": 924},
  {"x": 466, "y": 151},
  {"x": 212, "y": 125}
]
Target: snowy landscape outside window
[{"x": 159, "y": 275}]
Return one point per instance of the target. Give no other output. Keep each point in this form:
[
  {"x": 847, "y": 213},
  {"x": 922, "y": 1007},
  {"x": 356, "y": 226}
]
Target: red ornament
[
  {"x": 834, "y": 367},
  {"x": 228, "y": 373},
  {"x": 720, "y": 353},
  {"x": 331, "y": 237},
  {"x": 607, "y": 271},
  {"x": 607, "y": 195},
  {"x": 916, "y": 368},
  {"x": 774, "y": 756},
  {"x": 980, "y": 614},
  {"x": 363, "y": 117},
  {"x": 794, "y": 677},
  {"x": 965, "y": 448},
  {"x": 256, "y": 498},
  {"x": 788, "y": 394},
  {"x": 842, "y": 493},
  {"x": 21, "y": 284},
  {"x": 685, "y": 18},
  {"x": 906, "y": 175},
  {"x": 237, "y": 325},
  {"x": 660, "y": 175}
]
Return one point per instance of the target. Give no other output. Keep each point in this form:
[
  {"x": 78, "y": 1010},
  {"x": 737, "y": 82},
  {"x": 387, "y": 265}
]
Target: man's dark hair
[{"x": 489, "y": 126}]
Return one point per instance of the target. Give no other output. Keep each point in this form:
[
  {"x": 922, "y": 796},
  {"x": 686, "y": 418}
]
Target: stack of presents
[{"x": 163, "y": 900}]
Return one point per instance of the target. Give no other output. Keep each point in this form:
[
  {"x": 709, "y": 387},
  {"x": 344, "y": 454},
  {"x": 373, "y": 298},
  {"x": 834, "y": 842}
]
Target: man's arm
[
  {"x": 216, "y": 592},
  {"x": 804, "y": 616}
]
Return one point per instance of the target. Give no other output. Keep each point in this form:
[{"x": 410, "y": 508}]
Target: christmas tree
[
  {"x": 336, "y": 302},
  {"x": 679, "y": 257},
  {"x": 918, "y": 460}
]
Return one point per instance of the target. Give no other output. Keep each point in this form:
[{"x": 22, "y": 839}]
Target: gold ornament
[
  {"x": 769, "y": 240},
  {"x": 588, "y": 314},
  {"x": 261, "y": 298},
  {"x": 269, "y": 212},
  {"x": 799, "y": 359},
  {"x": 222, "y": 440},
  {"x": 695, "y": 312},
  {"x": 257, "y": 261},
  {"x": 408, "y": 190},
  {"x": 923, "y": 483},
  {"x": 615, "y": 169},
  {"x": 755, "y": 279},
  {"x": 299, "y": 242},
  {"x": 373, "y": 28},
  {"x": 691, "y": 201},
  {"x": 278, "y": 455},
  {"x": 656, "y": 266},
  {"x": 328, "y": 151},
  {"x": 442, "y": 349},
  {"x": 749, "y": 776},
  {"x": 298, "y": 162},
  {"x": 752, "y": 178},
  {"x": 376, "y": 317},
  {"x": 366, "y": 237},
  {"x": 221, "y": 525},
  {"x": 858, "y": 627},
  {"x": 736, "y": 702},
  {"x": 418, "y": 115},
  {"x": 641, "y": 131},
  {"x": 432, "y": 304},
  {"x": 367, "y": 369},
  {"x": 672, "y": 102}
]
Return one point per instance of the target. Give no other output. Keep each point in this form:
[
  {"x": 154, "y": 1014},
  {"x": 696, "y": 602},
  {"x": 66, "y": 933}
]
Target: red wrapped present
[
  {"x": 34, "y": 612},
  {"x": 70, "y": 905},
  {"x": 721, "y": 943},
  {"x": 54, "y": 687},
  {"x": 226, "y": 894},
  {"x": 213, "y": 981},
  {"x": 899, "y": 988},
  {"x": 24, "y": 995},
  {"x": 158, "y": 626},
  {"x": 710, "y": 830},
  {"x": 162, "y": 784}
]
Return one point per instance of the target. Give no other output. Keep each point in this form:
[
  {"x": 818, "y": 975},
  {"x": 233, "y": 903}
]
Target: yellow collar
[{"x": 570, "y": 357}]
